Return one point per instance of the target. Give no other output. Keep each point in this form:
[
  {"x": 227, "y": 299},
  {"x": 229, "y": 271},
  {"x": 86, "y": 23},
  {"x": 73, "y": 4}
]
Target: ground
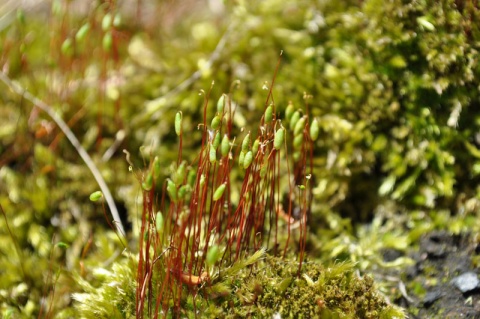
[{"x": 430, "y": 289}]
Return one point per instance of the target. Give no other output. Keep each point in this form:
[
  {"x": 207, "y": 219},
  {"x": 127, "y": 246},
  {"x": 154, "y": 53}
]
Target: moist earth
[{"x": 443, "y": 282}]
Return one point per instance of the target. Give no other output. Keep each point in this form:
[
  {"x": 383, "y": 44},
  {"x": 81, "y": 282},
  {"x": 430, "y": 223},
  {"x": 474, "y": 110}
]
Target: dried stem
[{"x": 15, "y": 87}]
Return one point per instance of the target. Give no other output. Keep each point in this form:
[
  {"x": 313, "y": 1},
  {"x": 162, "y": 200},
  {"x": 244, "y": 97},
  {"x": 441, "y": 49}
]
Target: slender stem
[{"x": 74, "y": 141}]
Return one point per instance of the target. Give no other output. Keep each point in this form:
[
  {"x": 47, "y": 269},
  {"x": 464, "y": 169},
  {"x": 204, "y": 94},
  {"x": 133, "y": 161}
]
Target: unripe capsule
[
  {"x": 213, "y": 255},
  {"x": 248, "y": 159},
  {"x": 241, "y": 158},
  {"x": 216, "y": 141},
  {"x": 172, "y": 190},
  {"x": 67, "y": 48},
  {"x": 106, "y": 21},
  {"x": 212, "y": 155},
  {"x": 182, "y": 191},
  {"x": 314, "y": 130},
  {"x": 191, "y": 177},
  {"x": 294, "y": 119},
  {"x": 96, "y": 196},
  {"x": 82, "y": 32},
  {"x": 148, "y": 182},
  {"x": 181, "y": 173},
  {"x": 296, "y": 156},
  {"x": 178, "y": 123},
  {"x": 255, "y": 146},
  {"x": 297, "y": 141},
  {"x": 219, "y": 192},
  {"x": 225, "y": 147},
  {"x": 107, "y": 41},
  {"x": 216, "y": 121},
  {"x": 156, "y": 167},
  {"x": 279, "y": 138},
  {"x": 21, "y": 16},
  {"x": 289, "y": 111},
  {"x": 269, "y": 114},
  {"x": 299, "y": 126},
  {"x": 221, "y": 104},
  {"x": 246, "y": 143},
  {"x": 159, "y": 222},
  {"x": 117, "y": 20}
]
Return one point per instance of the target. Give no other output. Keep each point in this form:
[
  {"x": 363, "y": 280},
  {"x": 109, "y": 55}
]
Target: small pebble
[
  {"x": 431, "y": 297},
  {"x": 466, "y": 282}
]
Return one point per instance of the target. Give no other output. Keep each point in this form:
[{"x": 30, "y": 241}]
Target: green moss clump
[
  {"x": 114, "y": 294},
  {"x": 275, "y": 287}
]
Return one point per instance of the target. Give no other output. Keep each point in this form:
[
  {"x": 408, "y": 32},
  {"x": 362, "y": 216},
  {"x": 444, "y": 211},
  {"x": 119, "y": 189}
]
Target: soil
[{"x": 431, "y": 285}]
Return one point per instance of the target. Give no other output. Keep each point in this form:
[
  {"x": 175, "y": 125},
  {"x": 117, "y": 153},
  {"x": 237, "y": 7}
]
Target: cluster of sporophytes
[
  {"x": 238, "y": 196},
  {"x": 205, "y": 232},
  {"x": 387, "y": 80}
]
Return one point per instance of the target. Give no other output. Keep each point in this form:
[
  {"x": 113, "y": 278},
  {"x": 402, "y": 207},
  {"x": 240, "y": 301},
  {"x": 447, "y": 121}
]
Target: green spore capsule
[
  {"x": 241, "y": 158},
  {"x": 106, "y": 22},
  {"x": 182, "y": 191},
  {"x": 294, "y": 119},
  {"x": 314, "y": 130},
  {"x": 297, "y": 141},
  {"x": 191, "y": 177},
  {"x": 279, "y": 138},
  {"x": 221, "y": 104},
  {"x": 156, "y": 167},
  {"x": 172, "y": 190},
  {"x": 263, "y": 171},
  {"x": 213, "y": 255},
  {"x": 117, "y": 20},
  {"x": 202, "y": 180},
  {"x": 21, "y": 16},
  {"x": 178, "y": 123},
  {"x": 269, "y": 114},
  {"x": 61, "y": 244},
  {"x": 296, "y": 156},
  {"x": 289, "y": 111},
  {"x": 96, "y": 196},
  {"x": 212, "y": 155},
  {"x": 248, "y": 159},
  {"x": 225, "y": 147},
  {"x": 216, "y": 141},
  {"x": 246, "y": 143},
  {"x": 219, "y": 192},
  {"x": 107, "y": 41},
  {"x": 82, "y": 32},
  {"x": 299, "y": 126},
  {"x": 216, "y": 121},
  {"x": 148, "y": 182},
  {"x": 255, "y": 146},
  {"x": 181, "y": 173},
  {"x": 159, "y": 222},
  {"x": 67, "y": 48}
]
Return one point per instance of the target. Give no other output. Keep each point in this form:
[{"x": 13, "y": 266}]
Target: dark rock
[
  {"x": 431, "y": 297},
  {"x": 391, "y": 254},
  {"x": 435, "y": 244}
]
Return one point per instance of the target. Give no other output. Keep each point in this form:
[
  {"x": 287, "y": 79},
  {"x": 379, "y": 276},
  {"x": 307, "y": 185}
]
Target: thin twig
[{"x": 74, "y": 141}]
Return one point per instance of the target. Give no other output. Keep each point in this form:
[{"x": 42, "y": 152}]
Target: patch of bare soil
[{"x": 444, "y": 282}]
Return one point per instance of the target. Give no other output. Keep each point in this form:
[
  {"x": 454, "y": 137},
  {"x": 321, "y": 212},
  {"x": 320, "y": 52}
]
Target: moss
[
  {"x": 275, "y": 286},
  {"x": 113, "y": 296},
  {"x": 394, "y": 88}
]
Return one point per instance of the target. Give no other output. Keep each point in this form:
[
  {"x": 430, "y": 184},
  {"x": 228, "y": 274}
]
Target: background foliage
[{"x": 394, "y": 84}]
